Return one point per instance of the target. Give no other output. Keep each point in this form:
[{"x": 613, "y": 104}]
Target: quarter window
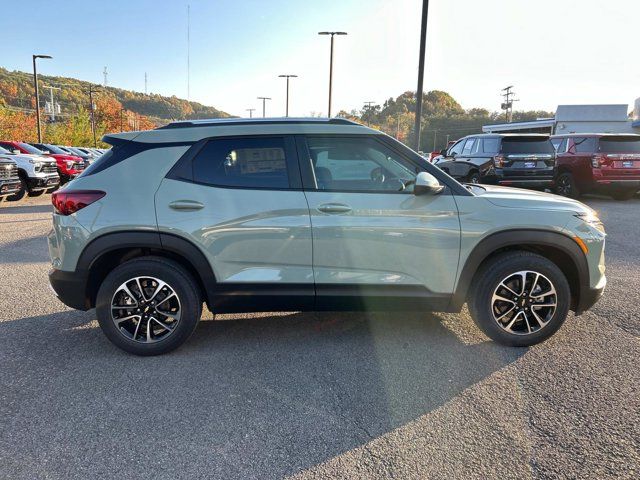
[
  {"x": 582, "y": 145},
  {"x": 490, "y": 145},
  {"x": 242, "y": 162}
]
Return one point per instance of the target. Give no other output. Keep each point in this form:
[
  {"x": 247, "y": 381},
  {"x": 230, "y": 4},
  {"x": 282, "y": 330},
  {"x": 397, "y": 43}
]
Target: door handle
[
  {"x": 186, "y": 205},
  {"x": 333, "y": 208}
]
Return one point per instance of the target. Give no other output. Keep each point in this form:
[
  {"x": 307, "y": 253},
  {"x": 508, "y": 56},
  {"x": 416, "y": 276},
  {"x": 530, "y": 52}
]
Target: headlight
[
  {"x": 69, "y": 163},
  {"x": 591, "y": 218},
  {"x": 37, "y": 166}
]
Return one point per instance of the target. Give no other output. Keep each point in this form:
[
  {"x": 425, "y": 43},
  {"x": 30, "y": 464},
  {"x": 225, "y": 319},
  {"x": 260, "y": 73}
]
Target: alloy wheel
[
  {"x": 145, "y": 309},
  {"x": 524, "y": 302},
  {"x": 564, "y": 186}
]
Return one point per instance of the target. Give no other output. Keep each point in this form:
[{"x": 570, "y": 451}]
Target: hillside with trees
[
  {"x": 443, "y": 118},
  {"x": 115, "y": 109}
]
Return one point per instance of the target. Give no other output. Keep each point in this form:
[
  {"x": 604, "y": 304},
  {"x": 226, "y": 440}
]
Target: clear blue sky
[{"x": 553, "y": 51}]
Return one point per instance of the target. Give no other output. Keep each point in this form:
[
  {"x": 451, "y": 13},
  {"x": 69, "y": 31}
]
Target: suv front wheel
[
  {"x": 148, "y": 306},
  {"x": 519, "y": 299}
]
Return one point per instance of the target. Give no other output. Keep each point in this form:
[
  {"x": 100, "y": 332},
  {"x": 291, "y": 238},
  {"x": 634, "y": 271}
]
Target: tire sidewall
[
  {"x": 487, "y": 282},
  {"x": 171, "y": 273}
]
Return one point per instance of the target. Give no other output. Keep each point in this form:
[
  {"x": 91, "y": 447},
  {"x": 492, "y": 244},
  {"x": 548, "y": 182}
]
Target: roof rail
[{"x": 226, "y": 122}]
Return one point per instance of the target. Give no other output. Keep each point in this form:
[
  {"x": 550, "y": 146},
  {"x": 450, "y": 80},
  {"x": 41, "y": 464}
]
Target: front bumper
[
  {"x": 39, "y": 183},
  {"x": 9, "y": 187},
  {"x": 70, "y": 288},
  {"x": 589, "y": 296}
]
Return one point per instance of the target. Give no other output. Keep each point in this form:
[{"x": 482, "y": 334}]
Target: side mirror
[
  {"x": 46, "y": 152},
  {"x": 16, "y": 151},
  {"x": 427, "y": 184},
  {"x": 443, "y": 152}
]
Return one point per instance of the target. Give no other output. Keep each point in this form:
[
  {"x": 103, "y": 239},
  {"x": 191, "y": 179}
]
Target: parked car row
[
  {"x": 567, "y": 164},
  {"x": 35, "y": 168}
]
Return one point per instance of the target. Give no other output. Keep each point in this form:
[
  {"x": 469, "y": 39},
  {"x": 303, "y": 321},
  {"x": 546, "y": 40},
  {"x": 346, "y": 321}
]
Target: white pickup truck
[{"x": 38, "y": 174}]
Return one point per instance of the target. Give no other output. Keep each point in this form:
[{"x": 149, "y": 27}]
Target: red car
[
  {"x": 69, "y": 166},
  {"x": 597, "y": 163}
]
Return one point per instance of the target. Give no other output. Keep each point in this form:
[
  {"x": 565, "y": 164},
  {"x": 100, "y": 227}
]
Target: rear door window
[
  {"x": 243, "y": 163},
  {"x": 524, "y": 145},
  {"x": 619, "y": 144},
  {"x": 468, "y": 146}
]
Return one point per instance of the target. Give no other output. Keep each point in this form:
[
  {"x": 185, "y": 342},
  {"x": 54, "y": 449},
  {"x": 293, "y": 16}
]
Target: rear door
[
  {"x": 239, "y": 199},
  {"x": 579, "y": 151},
  {"x": 369, "y": 230}
]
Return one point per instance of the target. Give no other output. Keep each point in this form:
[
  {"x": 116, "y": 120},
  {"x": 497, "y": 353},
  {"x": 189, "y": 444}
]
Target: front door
[{"x": 370, "y": 232}]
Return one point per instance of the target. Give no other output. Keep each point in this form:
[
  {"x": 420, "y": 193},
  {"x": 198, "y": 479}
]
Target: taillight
[
  {"x": 498, "y": 161},
  {"x": 599, "y": 160},
  {"x": 68, "y": 202}
]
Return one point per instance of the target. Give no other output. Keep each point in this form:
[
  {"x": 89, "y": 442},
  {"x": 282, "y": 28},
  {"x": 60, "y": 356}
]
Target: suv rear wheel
[
  {"x": 148, "y": 306},
  {"x": 566, "y": 186},
  {"x": 519, "y": 299}
]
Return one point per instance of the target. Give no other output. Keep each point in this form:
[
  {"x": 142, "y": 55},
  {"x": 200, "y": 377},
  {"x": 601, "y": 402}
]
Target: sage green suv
[{"x": 309, "y": 214}]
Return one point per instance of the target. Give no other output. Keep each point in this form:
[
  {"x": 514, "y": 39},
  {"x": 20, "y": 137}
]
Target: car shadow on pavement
[
  {"x": 10, "y": 207},
  {"x": 247, "y": 398},
  {"x": 25, "y": 250}
]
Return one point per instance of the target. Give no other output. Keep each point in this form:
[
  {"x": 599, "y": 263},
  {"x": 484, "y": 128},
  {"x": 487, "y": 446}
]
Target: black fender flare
[
  {"x": 173, "y": 244},
  {"x": 521, "y": 238}
]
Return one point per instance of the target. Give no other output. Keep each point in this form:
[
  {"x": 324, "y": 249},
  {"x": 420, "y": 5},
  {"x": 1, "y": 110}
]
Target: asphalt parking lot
[{"x": 316, "y": 395}]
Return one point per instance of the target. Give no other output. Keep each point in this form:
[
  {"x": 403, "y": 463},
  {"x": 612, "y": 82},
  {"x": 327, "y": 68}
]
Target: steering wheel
[{"x": 377, "y": 175}]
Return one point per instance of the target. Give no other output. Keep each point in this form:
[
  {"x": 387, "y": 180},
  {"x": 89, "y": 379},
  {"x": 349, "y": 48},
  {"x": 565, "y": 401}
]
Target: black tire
[
  {"x": 566, "y": 186},
  {"x": 473, "y": 177},
  {"x": 35, "y": 193},
  {"x": 20, "y": 194},
  {"x": 487, "y": 281},
  {"x": 177, "y": 278},
  {"x": 623, "y": 195}
]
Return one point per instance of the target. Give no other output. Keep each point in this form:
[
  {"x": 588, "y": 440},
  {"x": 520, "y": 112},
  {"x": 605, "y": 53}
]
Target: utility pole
[
  {"x": 92, "y": 90},
  {"x": 35, "y": 84},
  {"x": 122, "y": 119},
  {"x": 264, "y": 99},
  {"x": 53, "y": 105},
  {"x": 104, "y": 72},
  {"x": 507, "y": 105},
  {"x": 145, "y": 83},
  {"x": 287, "y": 77},
  {"x": 423, "y": 41},
  {"x": 367, "y": 109},
  {"x": 188, "y": 50},
  {"x": 250, "y": 110},
  {"x": 331, "y": 65}
]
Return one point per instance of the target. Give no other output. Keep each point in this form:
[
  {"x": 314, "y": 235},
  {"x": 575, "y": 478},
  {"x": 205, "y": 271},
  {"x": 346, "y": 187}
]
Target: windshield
[
  {"x": 527, "y": 145},
  {"x": 54, "y": 149},
  {"x": 30, "y": 148},
  {"x": 619, "y": 145},
  {"x": 5, "y": 151}
]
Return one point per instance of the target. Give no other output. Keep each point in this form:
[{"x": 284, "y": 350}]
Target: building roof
[
  {"x": 592, "y": 113},
  {"x": 515, "y": 126}
]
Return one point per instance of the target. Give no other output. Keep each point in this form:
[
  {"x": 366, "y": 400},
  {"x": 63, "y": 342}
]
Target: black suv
[{"x": 519, "y": 160}]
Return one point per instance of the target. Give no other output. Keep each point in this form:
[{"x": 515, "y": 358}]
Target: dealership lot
[{"x": 316, "y": 395}]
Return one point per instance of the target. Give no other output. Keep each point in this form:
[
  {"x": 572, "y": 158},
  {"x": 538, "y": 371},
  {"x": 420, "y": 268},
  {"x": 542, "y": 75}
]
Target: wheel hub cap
[
  {"x": 145, "y": 309},
  {"x": 524, "y": 302}
]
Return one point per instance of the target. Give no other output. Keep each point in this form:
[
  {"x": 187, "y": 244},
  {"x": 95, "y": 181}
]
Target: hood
[
  {"x": 60, "y": 156},
  {"x": 528, "y": 199}
]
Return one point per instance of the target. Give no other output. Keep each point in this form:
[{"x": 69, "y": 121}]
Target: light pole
[
  {"x": 423, "y": 41},
  {"x": 35, "y": 84},
  {"x": 250, "y": 110},
  {"x": 264, "y": 99},
  {"x": 92, "y": 90},
  {"x": 287, "y": 77},
  {"x": 368, "y": 110},
  {"x": 331, "y": 65}
]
